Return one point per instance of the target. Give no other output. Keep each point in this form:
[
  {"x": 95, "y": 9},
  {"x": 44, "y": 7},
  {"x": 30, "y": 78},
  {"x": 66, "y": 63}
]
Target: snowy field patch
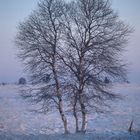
[{"x": 18, "y": 121}]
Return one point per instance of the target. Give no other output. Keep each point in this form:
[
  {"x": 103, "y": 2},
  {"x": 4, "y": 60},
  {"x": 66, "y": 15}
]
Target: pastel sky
[{"x": 14, "y": 11}]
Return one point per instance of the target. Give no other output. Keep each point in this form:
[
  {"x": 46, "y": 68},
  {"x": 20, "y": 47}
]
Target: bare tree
[
  {"x": 77, "y": 44},
  {"x": 94, "y": 41},
  {"x": 38, "y": 39}
]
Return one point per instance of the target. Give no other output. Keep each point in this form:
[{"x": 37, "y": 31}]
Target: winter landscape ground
[{"x": 18, "y": 121}]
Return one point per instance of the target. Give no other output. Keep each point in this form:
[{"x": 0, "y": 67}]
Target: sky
[{"x": 14, "y": 11}]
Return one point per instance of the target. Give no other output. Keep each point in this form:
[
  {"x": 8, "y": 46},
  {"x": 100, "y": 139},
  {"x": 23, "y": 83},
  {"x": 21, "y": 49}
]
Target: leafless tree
[
  {"x": 77, "y": 44},
  {"x": 94, "y": 41},
  {"x": 38, "y": 39}
]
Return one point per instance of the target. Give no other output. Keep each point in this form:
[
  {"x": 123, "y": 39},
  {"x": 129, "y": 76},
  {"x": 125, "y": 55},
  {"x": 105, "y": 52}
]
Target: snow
[
  {"x": 18, "y": 120},
  {"x": 95, "y": 136}
]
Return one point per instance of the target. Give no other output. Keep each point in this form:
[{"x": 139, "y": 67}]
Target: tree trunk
[
  {"x": 60, "y": 104},
  {"x": 84, "y": 122},
  {"x": 77, "y": 123},
  {"x": 76, "y": 118},
  {"x": 84, "y": 117},
  {"x": 63, "y": 117}
]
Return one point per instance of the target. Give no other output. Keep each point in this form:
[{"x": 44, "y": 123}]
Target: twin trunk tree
[{"x": 78, "y": 44}]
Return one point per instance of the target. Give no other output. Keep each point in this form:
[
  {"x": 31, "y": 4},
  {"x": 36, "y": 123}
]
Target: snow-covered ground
[{"x": 17, "y": 117}]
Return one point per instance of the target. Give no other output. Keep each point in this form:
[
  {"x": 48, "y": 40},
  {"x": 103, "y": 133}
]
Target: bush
[
  {"x": 22, "y": 81},
  {"x": 106, "y": 80}
]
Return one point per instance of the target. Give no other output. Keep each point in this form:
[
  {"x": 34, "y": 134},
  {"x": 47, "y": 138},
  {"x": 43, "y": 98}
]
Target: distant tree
[
  {"x": 106, "y": 80},
  {"x": 22, "y": 81},
  {"x": 3, "y": 83},
  {"x": 128, "y": 82},
  {"x": 46, "y": 78}
]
